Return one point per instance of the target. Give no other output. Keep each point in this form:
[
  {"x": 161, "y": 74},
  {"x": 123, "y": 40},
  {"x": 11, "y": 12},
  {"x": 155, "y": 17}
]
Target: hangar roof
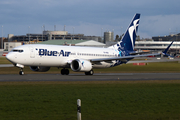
[
  {"x": 61, "y": 42},
  {"x": 90, "y": 43},
  {"x": 73, "y": 42}
]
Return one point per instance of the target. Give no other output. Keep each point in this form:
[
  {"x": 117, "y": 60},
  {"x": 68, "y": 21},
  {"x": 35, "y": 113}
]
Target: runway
[{"x": 95, "y": 77}]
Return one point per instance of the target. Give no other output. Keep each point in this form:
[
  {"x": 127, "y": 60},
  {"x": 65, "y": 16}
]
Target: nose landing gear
[{"x": 21, "y": 72}]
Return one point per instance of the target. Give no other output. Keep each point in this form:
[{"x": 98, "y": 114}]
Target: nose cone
[{"x": 10, "y": 57}]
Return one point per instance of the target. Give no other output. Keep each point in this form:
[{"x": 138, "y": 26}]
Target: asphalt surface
[{"x": 95, "y": 77}]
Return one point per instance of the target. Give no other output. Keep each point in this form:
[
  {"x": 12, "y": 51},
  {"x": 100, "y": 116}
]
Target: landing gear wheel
[
  {"x": 21, "y": 72},
  {"x": 91, "y": 72},
  {"x": 64, "y": 72}
]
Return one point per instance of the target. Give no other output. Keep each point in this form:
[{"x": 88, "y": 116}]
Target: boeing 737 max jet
[{"x": 80, "y": 59}]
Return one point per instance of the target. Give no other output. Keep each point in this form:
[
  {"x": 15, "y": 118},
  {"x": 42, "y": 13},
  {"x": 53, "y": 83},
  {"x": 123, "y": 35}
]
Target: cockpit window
[{"x": 15, "y": 50}]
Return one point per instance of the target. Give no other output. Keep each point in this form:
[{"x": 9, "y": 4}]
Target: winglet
[{"x": 165, "y": 51}]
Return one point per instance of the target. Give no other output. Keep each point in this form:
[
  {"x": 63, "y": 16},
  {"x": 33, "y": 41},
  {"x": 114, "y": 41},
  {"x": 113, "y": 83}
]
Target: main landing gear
[
  {"x": 91, "y": 72},
  {"x": 64, "y": 71},
  {"x": 21, "y": 72}
]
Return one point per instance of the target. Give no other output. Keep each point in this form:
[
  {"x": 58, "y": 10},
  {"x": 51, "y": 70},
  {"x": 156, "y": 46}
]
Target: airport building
[
  {"x": 158, "y": 46},
  {"x": 87, "y": 43},
  {"x": 64, "y": 38},
  {"x": 160, "y": 43},
  {"x": 56, "y": 38},
  {"x": 50, "y": 35},
  {"x": 172, "y": 37},
  {"x": 8, "y": 46},
  {"x": 108, "y": 37}
]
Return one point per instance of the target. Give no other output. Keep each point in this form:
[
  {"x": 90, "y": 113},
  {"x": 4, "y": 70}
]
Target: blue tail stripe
[
  {"x": 128, "y": 41},
  {"x": 130, "y": 35}
]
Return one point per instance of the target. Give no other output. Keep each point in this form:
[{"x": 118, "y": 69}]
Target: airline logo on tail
[
  {"x": 132, "y": 31},
  {"x": 128, "y": 41}
]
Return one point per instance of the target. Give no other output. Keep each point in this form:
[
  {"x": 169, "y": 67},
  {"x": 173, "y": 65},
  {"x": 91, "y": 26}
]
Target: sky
[{"x": 89, "y": 17}]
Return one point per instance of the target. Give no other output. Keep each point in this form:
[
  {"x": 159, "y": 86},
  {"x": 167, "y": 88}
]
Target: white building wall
[
  {"x": 10, "y": 45},
  {"x": 156, "y": 45}
]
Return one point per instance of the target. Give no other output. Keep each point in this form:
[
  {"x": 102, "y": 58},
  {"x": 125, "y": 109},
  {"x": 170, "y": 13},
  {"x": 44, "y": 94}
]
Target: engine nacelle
[
  {"x": 81, "y": 65},
  {"x": 39, "y": 68}
]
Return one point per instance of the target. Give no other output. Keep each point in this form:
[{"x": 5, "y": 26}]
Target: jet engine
[
  {"x": 81, "y": 65},
  {"x": 39, "y": 68}
]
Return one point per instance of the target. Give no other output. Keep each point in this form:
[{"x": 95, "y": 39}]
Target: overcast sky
[{"x": 158, "y": 17}]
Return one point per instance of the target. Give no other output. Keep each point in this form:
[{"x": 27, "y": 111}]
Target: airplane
[{"x": 80, "y": 59}]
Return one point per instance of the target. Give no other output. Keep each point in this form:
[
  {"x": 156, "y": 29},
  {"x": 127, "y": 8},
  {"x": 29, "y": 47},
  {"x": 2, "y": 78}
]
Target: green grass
[
  {"x": 150, "y": 67},
  {"x": 3, "y": 60},
  {"x": 150, "y": 100},
  {"x": 105, "y": 100}
]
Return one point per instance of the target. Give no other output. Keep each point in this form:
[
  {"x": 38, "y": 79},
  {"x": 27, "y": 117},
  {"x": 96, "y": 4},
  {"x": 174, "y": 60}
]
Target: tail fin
[
  {"x": 165, "y": 51},
  {"x": 128, "y": 41}
]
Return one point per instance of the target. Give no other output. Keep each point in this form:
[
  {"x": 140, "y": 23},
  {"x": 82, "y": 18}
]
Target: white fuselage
[{"x": 59, "y": 56}]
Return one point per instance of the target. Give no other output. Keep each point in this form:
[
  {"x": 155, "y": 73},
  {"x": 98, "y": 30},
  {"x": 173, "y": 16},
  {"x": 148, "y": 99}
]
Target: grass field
[
  {"x": 113, "y": 100},
  {"x": 105, "y": 100},
  {"x": 3, "y": 60}
]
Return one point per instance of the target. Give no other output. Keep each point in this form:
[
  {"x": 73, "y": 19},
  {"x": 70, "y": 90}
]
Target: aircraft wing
[
  {"x": 125, "y": 58},
  {"x": 122, "y": 58},
  {"x": 154, "y": 60},
  {"x": 143, "y": 52}
]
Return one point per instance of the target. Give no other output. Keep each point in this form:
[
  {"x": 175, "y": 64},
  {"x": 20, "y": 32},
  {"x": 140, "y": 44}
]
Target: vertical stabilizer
[{"x": 128, "y": 41}]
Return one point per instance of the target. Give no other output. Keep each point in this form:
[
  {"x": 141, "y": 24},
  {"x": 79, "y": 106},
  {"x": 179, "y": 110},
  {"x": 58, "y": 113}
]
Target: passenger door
[{"x": 32, "y": 52}]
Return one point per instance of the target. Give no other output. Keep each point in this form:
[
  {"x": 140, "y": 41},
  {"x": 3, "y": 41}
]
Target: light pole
[
  {"x": 42, "y": 33},
  {"x": 169, "y": 31},
  {"x": 64, "y": 27},
  {"x": 101, "y": 34},
  {"x": 2, "y": 39},
  {"x": 29, "y": 34},
  {"x": 73, "y": 33},
  {"x": 44, "y": 27},
  {"x": 112, "y": 37},
  {"x": 64, "y": 30},
  {"x": 54, "y": 27}
]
